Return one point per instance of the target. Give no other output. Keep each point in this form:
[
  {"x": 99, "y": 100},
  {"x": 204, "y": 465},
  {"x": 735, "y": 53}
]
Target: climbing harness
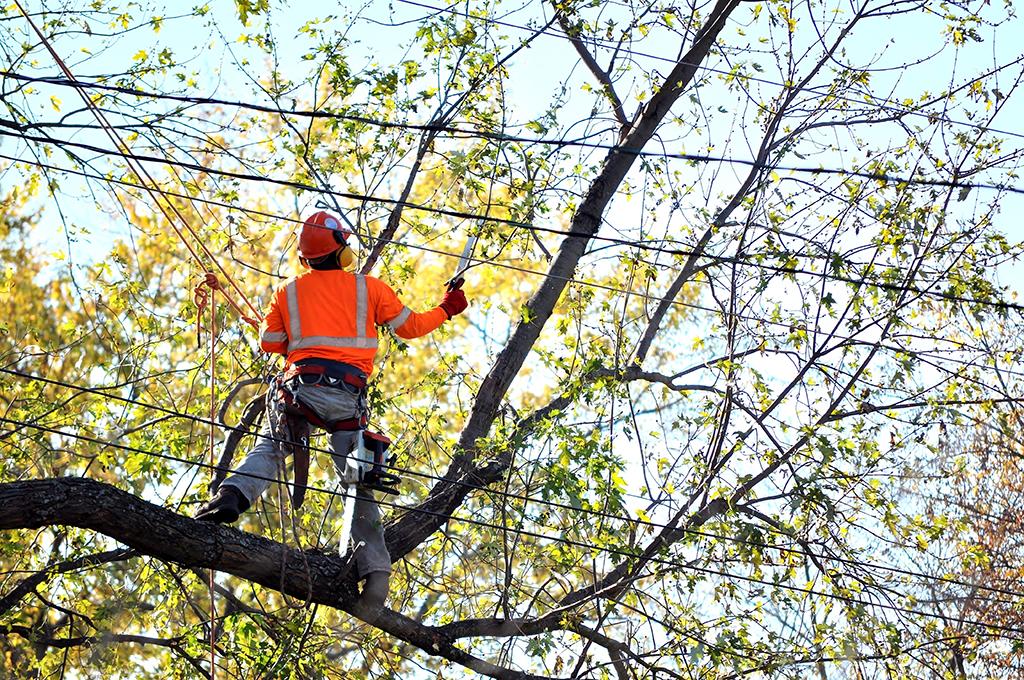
[
  {"x": 366, "y": 464},
  {"x": 290, "y": 418}
]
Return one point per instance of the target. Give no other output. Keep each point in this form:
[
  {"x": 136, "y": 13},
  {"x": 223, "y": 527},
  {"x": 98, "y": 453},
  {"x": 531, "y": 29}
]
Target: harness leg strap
[{"x": 367, "y": 463}]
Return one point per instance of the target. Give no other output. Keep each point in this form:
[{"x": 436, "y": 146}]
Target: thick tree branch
[{"x": 155, "y": 531}]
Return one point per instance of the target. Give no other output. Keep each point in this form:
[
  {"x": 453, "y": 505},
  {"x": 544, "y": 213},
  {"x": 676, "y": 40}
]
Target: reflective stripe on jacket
[{"x": 334, "y": 314}]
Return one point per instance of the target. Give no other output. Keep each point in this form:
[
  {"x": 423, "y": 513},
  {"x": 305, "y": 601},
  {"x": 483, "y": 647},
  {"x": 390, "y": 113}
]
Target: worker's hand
[{"x": 454, "y": 301}]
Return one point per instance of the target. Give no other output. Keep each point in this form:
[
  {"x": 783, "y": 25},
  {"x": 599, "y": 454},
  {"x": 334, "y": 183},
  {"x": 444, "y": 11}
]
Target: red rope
[{"x": 206, "y": 293}]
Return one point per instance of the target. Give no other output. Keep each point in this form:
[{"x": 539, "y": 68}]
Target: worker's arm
[
  {"x": 273, "y": 337},
  {"x": 389, "y": 311}
]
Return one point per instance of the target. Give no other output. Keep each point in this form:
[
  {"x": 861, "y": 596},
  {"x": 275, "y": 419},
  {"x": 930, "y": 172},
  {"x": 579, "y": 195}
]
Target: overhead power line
[
  {"x": 639, "y": 245},
  {"x": 518, "y": 531},
  {"x": 530, "y": 500},
  {"x": 414, "y": 246},
  {"x": 169, "y": 211},
  {"x": 475, "y": 260},
  {"x": 618, "y": 148},
  {"x": 532, "y": 272},
  {"x": 627, "y": 553}
]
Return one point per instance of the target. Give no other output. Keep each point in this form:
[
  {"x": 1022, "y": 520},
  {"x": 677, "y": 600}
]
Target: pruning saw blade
[{"x": 465, "y": 261}]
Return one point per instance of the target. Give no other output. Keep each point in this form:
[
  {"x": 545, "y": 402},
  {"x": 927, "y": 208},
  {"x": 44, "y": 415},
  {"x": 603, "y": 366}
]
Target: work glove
[{"x": 454, "y": 301}]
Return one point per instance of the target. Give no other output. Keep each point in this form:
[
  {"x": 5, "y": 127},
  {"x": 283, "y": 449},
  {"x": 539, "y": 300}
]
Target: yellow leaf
[
  {"x": 140, "y": 55},
  {"x": 55, "y": 103}
]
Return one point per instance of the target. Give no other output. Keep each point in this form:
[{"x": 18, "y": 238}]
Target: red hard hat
[{"x": 321, "y": 235}]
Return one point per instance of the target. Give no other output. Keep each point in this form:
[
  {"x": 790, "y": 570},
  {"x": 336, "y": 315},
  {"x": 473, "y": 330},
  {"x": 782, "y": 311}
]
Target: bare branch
[
  {"x": 29, "y": 584},
  {"x": 607, "y": 87}
]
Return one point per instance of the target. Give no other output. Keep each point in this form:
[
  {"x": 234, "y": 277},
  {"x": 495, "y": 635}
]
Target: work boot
[
  {"x": 375, "y": 591},
  {"x": 225, "y": 507}
]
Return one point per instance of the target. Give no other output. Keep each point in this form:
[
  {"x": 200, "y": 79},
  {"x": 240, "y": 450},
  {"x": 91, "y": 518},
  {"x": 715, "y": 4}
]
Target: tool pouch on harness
[{"x": 371, "y": 463}]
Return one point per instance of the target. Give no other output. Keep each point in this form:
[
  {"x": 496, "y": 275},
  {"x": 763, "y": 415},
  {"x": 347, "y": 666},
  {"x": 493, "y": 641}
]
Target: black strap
[{"x": 334, "y": 370}]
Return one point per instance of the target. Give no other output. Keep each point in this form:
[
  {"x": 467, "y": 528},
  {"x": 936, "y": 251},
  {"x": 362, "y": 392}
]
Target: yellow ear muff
[{"x": 346, "y": 258}]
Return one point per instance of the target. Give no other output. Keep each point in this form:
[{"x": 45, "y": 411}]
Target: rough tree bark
[{"x": 317, "y": 577}]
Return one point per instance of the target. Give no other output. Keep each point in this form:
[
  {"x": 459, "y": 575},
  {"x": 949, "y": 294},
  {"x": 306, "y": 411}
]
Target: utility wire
[
  {"x": 639, "y": 245},
  {"x": 480, "y": 261},
  {"x": 531, "y": 272},
  {"x": 524, "y": 270},
  {"x": 559, "y": 539},
  {"x": 527, "y": 499},
  {"x": 618, "y": 148},
  {"x": 882, "y": 103},
  {"x": 475, "y": 260},
  {"x": 78, "y": 86},
  {"x": 690, "y": 566},
  {"x": 169, "y": 211},
  {"x": 932, "y": 182}
]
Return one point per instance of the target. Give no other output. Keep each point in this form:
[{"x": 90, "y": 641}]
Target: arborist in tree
[{"x": 324, "y": 322}]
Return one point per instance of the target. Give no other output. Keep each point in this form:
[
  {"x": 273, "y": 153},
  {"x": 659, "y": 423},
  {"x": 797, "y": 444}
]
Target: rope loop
[{"x": 201, "y": 295}]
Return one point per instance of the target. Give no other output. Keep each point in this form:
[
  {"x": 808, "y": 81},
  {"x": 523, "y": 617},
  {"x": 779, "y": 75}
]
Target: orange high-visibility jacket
[{"x": 334, "y": 315}]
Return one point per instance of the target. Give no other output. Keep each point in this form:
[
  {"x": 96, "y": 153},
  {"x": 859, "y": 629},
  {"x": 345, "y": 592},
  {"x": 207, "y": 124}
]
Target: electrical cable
[
  {"x": 625, "y": 242},
  {"x": 574, "y": 281},
  {"x": 475, "y": 260},
  {"x": 561, "y": 540},
  {"x": 508, "y": 266},
  {"x": 886, "y": 104},
  {"x": 617, "y": 148},
  {"x": 627, "y": 553},
  {"x": 140, "y": 171},
  {"x": 526, "y": 499},
  {"x": 639, "y": 245},
  {"x": 570, "y": 280}
]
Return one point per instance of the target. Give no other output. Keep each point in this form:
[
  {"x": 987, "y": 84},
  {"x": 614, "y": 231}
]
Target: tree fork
[{"x": 414, "y": 527}]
